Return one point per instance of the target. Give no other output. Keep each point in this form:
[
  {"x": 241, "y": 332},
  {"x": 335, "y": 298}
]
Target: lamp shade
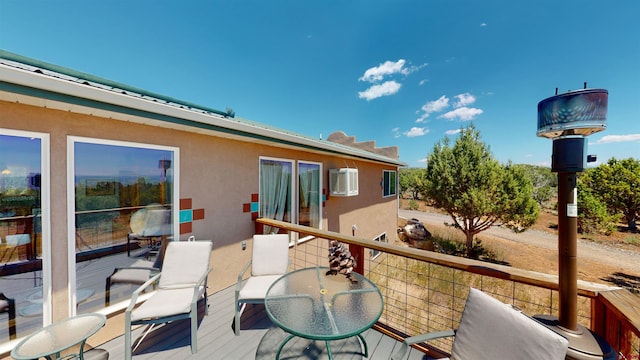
[{"x": 580, "y": 112}]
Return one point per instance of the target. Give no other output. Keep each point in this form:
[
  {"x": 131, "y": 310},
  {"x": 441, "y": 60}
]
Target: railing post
[
  {"x": 357, "y": 252},
  {"x": 598, "y": 317},
  {"x": 259, "y": 228}
]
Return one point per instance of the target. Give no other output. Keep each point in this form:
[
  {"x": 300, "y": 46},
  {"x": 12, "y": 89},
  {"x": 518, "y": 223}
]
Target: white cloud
[
  {"x": 431, "y": 107},
  {"x": 416, "y": 131},
  {"x": 462, "y": 114},
  {"x": 453, "y": 132},
  {"x": 385, "y": 89},
  {"x": 607, "y": 139},
  {"x": 483, "y": 24},
  {"x": 423, "y": 81},
  {"x": 464, "y": 100},
  {"x": 378, "y": 73},
  {"x": 436, "y": 105},
  {"x": 423, "y": 160}
]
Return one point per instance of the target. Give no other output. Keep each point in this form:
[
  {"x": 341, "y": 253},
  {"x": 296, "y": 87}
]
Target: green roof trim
[{"x": 116, "y": 85}]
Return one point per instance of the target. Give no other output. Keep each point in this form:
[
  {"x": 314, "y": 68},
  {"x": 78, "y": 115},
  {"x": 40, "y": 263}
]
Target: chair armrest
[
  {"x": 241, "y": 275},
  {"x": 400, "y": 354},
  {"x": 150, "y": 268},
  {"x": 136, "y": 293},
  {"x": 196, "y": 289}
]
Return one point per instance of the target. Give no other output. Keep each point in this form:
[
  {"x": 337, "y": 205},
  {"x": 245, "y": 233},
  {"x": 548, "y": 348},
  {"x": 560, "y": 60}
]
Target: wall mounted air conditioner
[{"x": 343, "y": 182}]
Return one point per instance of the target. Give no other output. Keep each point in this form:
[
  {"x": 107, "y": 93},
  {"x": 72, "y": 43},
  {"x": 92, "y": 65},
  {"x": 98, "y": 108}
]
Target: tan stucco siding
[{"x": 218, "y": 174}]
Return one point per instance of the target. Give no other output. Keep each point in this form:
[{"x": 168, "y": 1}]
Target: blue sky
[{"x": 405, "y": 73}]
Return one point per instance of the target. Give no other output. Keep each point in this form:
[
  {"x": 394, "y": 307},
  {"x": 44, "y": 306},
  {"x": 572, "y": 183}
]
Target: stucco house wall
[
  {"x": 218, "y": 171},
  {"x": 217, "y": 174}
]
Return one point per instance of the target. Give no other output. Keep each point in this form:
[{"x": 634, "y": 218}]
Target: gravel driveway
[{"x": 627, "y": 261}]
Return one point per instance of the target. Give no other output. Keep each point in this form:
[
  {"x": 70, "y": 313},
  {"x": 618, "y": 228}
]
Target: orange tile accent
[
  {"x": 185, "y": 204},
  {"x": 185, "y": 228},
  {"x": 198, "y": 214}
]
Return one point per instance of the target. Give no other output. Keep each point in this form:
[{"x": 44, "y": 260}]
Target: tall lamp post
[
  {"x": 163, "y": 165},
  {"x": 567, "y": 119}
]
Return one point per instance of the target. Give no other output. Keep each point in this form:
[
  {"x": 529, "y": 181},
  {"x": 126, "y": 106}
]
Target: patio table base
[{"x": 291, "y": 336}]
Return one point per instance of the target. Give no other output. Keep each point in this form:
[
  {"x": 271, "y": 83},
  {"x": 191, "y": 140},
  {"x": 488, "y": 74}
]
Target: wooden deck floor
[{"x": 259, "y": 339}]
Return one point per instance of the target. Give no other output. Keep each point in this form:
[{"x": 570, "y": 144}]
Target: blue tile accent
[
  {"x": 186, "y": 215},
  {"x": 254, "y": 207}
]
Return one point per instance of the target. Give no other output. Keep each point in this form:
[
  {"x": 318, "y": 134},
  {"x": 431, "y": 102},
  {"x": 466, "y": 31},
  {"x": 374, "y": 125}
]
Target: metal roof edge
[{"x": 99, "y": 80}]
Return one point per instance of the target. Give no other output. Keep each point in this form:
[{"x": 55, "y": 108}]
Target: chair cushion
[
  {"x": 490, "y": 329},
  {"x": 270, "y": 255},
  {"x": 256, "y": 287},
  {"x": 133, "y": 276},
  {"x": 165, "y": 303},
  {"x": 175, "y": 274}
]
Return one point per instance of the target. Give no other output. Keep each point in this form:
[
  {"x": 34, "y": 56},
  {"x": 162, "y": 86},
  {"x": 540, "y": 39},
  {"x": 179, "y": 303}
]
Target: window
[
  {"x": 388, "y": 183},
  {"x": 25, "y": 275},
  {"x": 382, "y": 238},
  {"x": 309, "y": 194},
  {"x": 114, "y": 184},
  {"x": 278, "y": 200},
  {"x": 276, "y": 183}
]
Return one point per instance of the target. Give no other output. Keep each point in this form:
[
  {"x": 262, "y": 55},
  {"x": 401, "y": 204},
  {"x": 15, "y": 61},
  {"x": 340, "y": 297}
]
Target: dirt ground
[{"x": 611, "y": 259}]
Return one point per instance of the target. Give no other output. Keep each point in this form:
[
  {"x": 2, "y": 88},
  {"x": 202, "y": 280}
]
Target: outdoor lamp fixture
[{"x": 567, "y": 119}]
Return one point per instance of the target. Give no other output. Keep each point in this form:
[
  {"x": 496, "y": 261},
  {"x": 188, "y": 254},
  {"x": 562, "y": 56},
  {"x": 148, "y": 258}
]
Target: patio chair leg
[
  {"x": 12, "y": 319},
  {"x": 107, "y": 291},
  {"x": 127, "y": 337},
  {"x": 236, "y": 320},
  {"x": 194, "y": 327}
]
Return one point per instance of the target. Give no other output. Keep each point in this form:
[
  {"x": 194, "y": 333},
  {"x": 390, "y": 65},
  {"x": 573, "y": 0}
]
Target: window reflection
[
  {"x": 20, "y": 235},
  {"x": 123, "y": 206}
]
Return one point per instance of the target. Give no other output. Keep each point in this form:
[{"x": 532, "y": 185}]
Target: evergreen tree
[
  {"x": 617, "y": 184},
  {"x": 475, "y": 190}
]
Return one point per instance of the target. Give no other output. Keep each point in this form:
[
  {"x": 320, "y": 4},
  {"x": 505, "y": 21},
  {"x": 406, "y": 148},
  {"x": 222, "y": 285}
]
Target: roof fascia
[{"x": 68, "y": 95}]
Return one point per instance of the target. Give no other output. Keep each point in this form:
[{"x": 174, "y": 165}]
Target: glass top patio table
[
  {"x": 310, "y": 304},
  {"x": 51, "y": 340}
]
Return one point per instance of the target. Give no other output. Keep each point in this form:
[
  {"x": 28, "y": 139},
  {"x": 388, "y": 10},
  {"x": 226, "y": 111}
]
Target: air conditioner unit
[{"x": 343, "y": 182}]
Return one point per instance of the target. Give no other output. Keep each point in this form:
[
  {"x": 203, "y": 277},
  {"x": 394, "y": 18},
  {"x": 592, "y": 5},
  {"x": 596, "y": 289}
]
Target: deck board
[{"x": 259, "y": 339}]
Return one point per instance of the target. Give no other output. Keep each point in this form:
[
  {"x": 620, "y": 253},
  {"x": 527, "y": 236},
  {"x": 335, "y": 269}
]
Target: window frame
[
  {"x": 71, "y": 203},
  {"x": 373, "y": 254},
  {"x": 297, "y": 200},
  {"x": 386, "y": 183},
  {"x": 295, "y": 194},
  {"x": 293, "y": 183},
  {"x": 45, "y": 213}
]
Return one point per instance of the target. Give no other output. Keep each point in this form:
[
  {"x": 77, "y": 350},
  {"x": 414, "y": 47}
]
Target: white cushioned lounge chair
[
  {"x": 181, "y": 283},
  {"x": 269, "y": 261},
  {"x": 490, "y": 329}
]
